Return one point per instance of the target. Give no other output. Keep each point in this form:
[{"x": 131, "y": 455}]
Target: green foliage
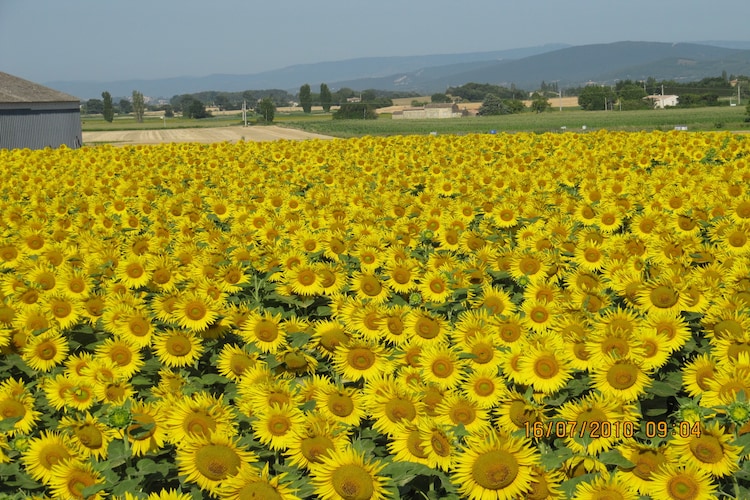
[
  {"x": 325, "y": 97},
  {"x": 539, "y": 103},
  {"x": 108, "y": 110},
  {"x": 495, "y": 105},
  {"x": 139, "y": 106},
  {"x": 355, "y": 111},
  {"x": 266, "y": 109},
  {"x": 305, "y": 98},
  {"x": 94, "y": 106},
  {"x": 476, "y": 92},
  {"x": 196, "y": 109},
  {"x": 125, "y": 107},
  {"x": 440, "y": 98},
  {"x": 596, "y": 97}
]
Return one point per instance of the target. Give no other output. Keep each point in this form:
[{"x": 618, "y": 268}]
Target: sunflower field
[{"x": 510, "y": 316}]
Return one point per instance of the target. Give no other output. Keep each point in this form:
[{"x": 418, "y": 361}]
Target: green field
[
  {"x": 713, "y": 118},
  {"x": 709, "y": 118}
]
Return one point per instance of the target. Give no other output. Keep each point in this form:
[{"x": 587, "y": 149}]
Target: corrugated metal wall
[{"x": 38, "y": 129}]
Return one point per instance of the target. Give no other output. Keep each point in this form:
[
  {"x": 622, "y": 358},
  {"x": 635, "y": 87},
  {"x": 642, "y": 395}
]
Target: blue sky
[{"x": 108, "y": 40}]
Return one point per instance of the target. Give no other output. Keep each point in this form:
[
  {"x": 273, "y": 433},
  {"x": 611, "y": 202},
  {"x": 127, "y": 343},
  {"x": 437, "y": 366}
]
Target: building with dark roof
[{"x": 34, "y": 116}]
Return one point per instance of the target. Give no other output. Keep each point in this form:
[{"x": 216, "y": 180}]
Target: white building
[
  {"x": 437, "y": 110},
  {"x": 662, "y": 101}
]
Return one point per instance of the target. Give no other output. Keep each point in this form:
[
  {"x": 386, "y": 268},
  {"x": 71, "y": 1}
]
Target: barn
[{"x": 34, "y": 116}]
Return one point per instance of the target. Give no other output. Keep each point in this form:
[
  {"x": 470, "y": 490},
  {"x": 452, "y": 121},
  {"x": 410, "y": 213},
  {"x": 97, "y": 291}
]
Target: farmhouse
[
  {"x": 662, "y": 101},
  {"x": 34, "y": 116},
  {"x": 436, "y": 110}
]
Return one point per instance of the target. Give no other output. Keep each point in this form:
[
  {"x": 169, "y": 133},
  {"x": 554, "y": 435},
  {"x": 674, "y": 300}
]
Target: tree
[
  {"x": 354, "y": 111},
  {"x": 595, "y": 97},
  {"x": 107, "y": 109},
  {"x": 94, "y": 106},
  {"x": 492, "y": 105},
  {"x": 539, "y": 103},
  {"x": 139, "y": 106},
  {"x": 125, "y": 106},
  {"x": 325, "y": 97},
  {"x": 266, "y": 109},
  {"x": 305, "y": 98},
  {"x": 196, "y": 110},
  {"x": 438, "y": 98}
]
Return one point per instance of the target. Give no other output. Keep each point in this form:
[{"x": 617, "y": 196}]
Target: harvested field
[{"x": 202, "y": 135}]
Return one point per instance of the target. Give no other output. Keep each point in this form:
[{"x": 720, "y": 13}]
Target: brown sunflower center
[
  {"x": 728, "y": 328},
  {"x": 178, "y": 345},
  {"x": 370, "y": 286},
  {"x": 484, "y": 387},
  {"x": 462, "y": 413},
  {"x": 266, "y": 330},
  {"x": 46, "y": 350},
  {"x": 52, "y": 454},
  {"x": 427, "y": 328},
  {"x": 483, "y": 353},
  {"x": 495, "y": 470},
  {"x": 161, "y": 276},
  {"x": 622, "y": 376},
  {"x": 646, "y": 463},
  {"x": 400, "y": 408},
  {"x": 352, "y": 482},
  {"x": 360, "y": 358},
  {"x": 89, "y": 436},
  {"x": 494, "y": 304},
  {"x": 414, "y": 444},
  {"x": 440, "y": 444},
  {"x": 314, "y": 448},
  {"x": 664, "y": 296},
  {"x": 199, "y": 422},
  {"x": 442, "y": 367},
  {"x": 195, "y": 310},
  {"x": 279, "y": 425},
  {"x": 340, "y": 404},
  {"x": 217, "y": 462},
  {"x": 683, "y": 487},
  {"x": 79, "y": 481},
  {"x": 707, "y": 449},
  {"x": 546, "y": 366},
  {"x": 134, "y": 270},
  {"x": 258, "y": 489}
]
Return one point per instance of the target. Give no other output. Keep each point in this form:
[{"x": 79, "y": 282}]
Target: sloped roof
[{"x": 18, "y": 90}]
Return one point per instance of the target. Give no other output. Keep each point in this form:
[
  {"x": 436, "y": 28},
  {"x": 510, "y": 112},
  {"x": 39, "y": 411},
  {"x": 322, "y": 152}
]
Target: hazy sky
[{"x": 107, "y": 40}]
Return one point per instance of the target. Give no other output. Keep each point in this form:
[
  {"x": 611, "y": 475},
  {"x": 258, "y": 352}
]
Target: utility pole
[{"x": 738, "y": 91}]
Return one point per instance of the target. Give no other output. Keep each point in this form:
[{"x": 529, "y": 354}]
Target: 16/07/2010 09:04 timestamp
[{"x": 595, "y": 429}]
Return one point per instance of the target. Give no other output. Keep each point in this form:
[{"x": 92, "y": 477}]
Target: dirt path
[{"x": 204, "y": 135}]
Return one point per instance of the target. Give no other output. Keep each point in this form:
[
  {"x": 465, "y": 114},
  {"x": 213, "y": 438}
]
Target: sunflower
[
  {"x": 303, "y": 280},
  {"x": 147, "y": 432},
  {"x": 621, "y": 378},
  {"x": 126, "y": 356},
  {"x": 484, "y": 387},
  {"x": 435, "y": 287},
  {"x": 681, "y": 482},
  {"x": 70, "y": 477},
  {"x": 198, "y": 416},
  {"x": 605, "y": 486},
  {"x": 45, "y": 452},
  {"x": 697, "y": 373},
  {"x": 424, "y": 327},
  {"x": 438, "y": 442},
  {"x": 671, "y": 325},
  {"x": 458, "y": 409},
  {"x": 234, "y": 361},
  {"x": 494, "y": 466},
  {"x": 515, "y": 412},
  {"x": 251, "y": 482},
  {"x": 368, "y": 286},
  {"x": 401, "y": 275},
  {"x": 275, "y": 425},
  {"x": 662, "y": 295},
  {"x": 176, "y": 348},
  {"x": 538, "y": 315},
  {"x": 346, "y": 475},
  {"x": 135, "y": 327},
  {"x": 441, "y": 365},
  {"x": 332, "y": 277},
  {"x": 56, "y": 390},
  {"x": 45, "y": 351},
  {"x": 195, "y": 312},
  {"x": 483, "y": 352},
  {"x": 65, "y": 310},
  {"x": 113, "y": 392},
  {"x": 528, "y": 266},
  {"x": 406, "y": 445},
  {"x": 328, "y": 335},
  {"x": 18, "y": 406},
  {"x": 360, "y": 360},
  {"x": 708, "y": 452},
  {"x": 211, "y": 459},
  {"x": 646, "y": 460},
  {"x": 546, "y": 369},
  {"x": 585, "y": 417},
  {"x": 265, "y": 331},
  {"x": 90, "y": 436},
  {"x": 390, "y": 405},
  {"x": 317, "y": 436},
  {"x": 133, "y": 271}
]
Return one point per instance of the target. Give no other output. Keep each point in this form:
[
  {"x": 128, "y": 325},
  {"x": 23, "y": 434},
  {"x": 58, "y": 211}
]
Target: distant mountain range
[{"x": 525, "y": 68}]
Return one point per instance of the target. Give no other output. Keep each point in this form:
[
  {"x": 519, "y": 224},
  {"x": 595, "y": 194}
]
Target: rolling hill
[{"x": 525, "y": 68}]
